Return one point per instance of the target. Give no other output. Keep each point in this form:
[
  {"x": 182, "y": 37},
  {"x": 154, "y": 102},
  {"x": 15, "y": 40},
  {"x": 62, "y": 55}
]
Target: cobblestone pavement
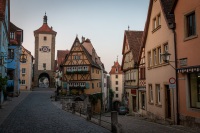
[
  {"x": 37, "y": 114},
  {"x": 131, "y": 124}
]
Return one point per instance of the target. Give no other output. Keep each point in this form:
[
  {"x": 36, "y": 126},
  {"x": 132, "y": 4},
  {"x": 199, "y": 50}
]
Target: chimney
[
  {"x": 51, "y": 27},
  {"x": 93, "y": 54},
  {"x": 83, "y": 39}
]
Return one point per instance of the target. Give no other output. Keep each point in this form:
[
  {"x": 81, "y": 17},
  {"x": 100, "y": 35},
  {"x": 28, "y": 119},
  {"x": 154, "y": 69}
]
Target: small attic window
[
  {"x": 45, "y": 38},
  {"x": 116, "y": 70}
]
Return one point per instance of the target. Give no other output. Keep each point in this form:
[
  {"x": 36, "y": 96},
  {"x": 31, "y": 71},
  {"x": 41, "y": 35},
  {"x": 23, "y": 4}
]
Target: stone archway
[{"x": 43, "y": 80}]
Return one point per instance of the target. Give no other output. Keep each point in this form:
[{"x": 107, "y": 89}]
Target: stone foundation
[
  {"x": 189, "y": 121},
  {"x": 159, "y": 119}
]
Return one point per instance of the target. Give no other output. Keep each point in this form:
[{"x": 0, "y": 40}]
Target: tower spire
[{"x": 45, "y": 19}]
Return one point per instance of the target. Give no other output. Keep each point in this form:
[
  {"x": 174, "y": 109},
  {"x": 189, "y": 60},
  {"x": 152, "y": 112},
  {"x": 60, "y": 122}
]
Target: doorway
[
  {"x": 134, "y": 103},
  {"x": 168, "y": 101}
]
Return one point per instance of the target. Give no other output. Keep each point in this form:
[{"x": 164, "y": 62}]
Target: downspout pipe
[{"x": 177, "y": 85}]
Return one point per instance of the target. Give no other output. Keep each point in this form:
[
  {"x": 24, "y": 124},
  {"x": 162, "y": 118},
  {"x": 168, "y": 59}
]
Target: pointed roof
[
  {"x": 134, "y": 41},
  {"x": 45, "y": 28},
  {"x": 61, "y": 55},
  {"x": 18, "y": 35},
  {"x": 90, "y": 49},
  {"x": 87, "y": 48},
  {"x": 13, "y": 27},
  {"x": 166, "y": 6},
  {"x": 113, "y": 69}
]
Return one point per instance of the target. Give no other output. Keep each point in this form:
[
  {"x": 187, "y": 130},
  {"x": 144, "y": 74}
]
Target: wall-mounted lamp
[
  {"x": 23, "y": 57},
  {"x": 166, "y": 57}
]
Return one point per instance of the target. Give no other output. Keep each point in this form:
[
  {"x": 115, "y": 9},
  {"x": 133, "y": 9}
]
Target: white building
[{"x": 116, "y": 78}]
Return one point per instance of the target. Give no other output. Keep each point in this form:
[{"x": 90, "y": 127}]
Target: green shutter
[{"x": 87, "y": 85}]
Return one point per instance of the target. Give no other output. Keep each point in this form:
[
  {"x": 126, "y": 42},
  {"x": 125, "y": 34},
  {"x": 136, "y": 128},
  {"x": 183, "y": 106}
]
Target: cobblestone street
[{"x": 37, "y": 114}]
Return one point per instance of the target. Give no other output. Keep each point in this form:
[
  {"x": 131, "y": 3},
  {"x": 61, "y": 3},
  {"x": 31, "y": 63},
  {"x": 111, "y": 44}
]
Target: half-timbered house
[
  {"x": 83, "y": 73},
  {"x": 130, "y": 52}
]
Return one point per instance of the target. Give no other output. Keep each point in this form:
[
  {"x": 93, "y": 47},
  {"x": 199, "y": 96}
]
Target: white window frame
[
  {"x": 155, "y": 57},
  {"x": 23, "y": 82},
  {"x": 158, "y": 94},
  {"x": 150, "y": 93},
  {"x": 159, "y": 55},
  {"x": 23, "y": 70}
]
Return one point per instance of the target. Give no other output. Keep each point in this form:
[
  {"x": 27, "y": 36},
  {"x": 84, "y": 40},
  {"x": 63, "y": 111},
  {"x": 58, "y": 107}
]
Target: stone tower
[{"x": 44, "y": 55}]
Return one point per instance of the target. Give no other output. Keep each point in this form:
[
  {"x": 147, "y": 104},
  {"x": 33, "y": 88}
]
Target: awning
[{"x": 190, "y": 69}]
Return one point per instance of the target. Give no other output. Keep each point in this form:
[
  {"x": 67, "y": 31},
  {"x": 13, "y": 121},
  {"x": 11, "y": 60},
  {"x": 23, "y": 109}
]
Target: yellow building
[
  {"x": 26, "y": 71},
  {"x": 83, "y": 73}
]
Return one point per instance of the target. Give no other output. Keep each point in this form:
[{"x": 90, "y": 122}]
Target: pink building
[{"x": 187, "y": 18}]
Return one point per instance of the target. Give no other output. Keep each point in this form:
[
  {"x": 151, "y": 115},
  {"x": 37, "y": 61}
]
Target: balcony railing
[{"x": 77, "y": 72}]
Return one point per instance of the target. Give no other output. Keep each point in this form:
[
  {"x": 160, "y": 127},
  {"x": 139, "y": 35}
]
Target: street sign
[
  {"x": 172, "y": 86},
  {"x": 172, "y": 80}
]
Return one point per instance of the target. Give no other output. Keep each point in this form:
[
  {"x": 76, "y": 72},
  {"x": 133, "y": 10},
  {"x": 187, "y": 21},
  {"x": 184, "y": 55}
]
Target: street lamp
[{"x": 166, "y": 57}]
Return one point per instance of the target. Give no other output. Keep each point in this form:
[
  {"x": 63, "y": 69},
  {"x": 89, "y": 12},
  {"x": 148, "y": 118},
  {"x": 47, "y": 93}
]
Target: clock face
[{"x": 45, "y": 49}]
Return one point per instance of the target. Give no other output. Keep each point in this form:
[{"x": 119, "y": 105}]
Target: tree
[{"x": 3, "y": 82}]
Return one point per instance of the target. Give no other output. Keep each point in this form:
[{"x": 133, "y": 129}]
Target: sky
[{"x": 101, "y": 21}]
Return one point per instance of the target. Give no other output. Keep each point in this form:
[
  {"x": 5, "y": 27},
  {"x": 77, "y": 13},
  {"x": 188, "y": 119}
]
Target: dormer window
[
  {"x": 12, "y": 35},
  {"x": 156, "y": 22},
  {"x": 116, "y": 70}
]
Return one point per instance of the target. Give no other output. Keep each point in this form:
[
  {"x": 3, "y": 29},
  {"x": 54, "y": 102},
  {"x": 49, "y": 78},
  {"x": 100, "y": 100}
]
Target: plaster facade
[
  {"x": 188, "y": 49},
  {"x": 160, "y": 98}
]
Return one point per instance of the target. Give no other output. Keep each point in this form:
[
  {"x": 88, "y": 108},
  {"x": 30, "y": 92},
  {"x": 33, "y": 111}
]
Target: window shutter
[{"x": 87, "y": 85}]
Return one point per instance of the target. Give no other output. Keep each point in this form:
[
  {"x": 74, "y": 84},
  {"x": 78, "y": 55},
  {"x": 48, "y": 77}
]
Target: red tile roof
[
  {"x": 18, "y": 35},
  {"x": 45, "y": 29},
  {"x": 113, "y": 69},
  {"x": 90, "y": 49},
  {"x": 14, "y": 27},
  {"x": 61, "y": 55},
  {"x": 134, "y": 39},
  {"x": 2, "y": 9},
  {"x": 167, "y": 7}
]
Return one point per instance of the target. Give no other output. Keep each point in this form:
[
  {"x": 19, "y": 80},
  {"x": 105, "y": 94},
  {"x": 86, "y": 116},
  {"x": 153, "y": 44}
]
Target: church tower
[{"x": 44, "y": 55}]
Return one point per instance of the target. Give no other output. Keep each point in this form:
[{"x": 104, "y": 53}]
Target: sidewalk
[
  {"x": 9, "y": 105},
  {"x": 132, "y": 124}
]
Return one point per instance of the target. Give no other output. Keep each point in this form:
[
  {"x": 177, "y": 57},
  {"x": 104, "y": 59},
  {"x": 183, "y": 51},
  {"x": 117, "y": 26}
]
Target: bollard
[
  {"x": 89, "y": 113},
  {"x": 114, "y": 121},
  {"x": 73, "y": 108}
]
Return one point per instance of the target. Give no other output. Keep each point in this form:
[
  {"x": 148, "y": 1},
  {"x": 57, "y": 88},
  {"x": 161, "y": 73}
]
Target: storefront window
[{"x": 194, "y": 79}]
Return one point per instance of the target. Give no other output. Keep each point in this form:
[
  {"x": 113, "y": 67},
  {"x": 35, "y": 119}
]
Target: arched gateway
[
  {"x": 43, "y": 80},
  {"x": 44, "y": 55}
]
